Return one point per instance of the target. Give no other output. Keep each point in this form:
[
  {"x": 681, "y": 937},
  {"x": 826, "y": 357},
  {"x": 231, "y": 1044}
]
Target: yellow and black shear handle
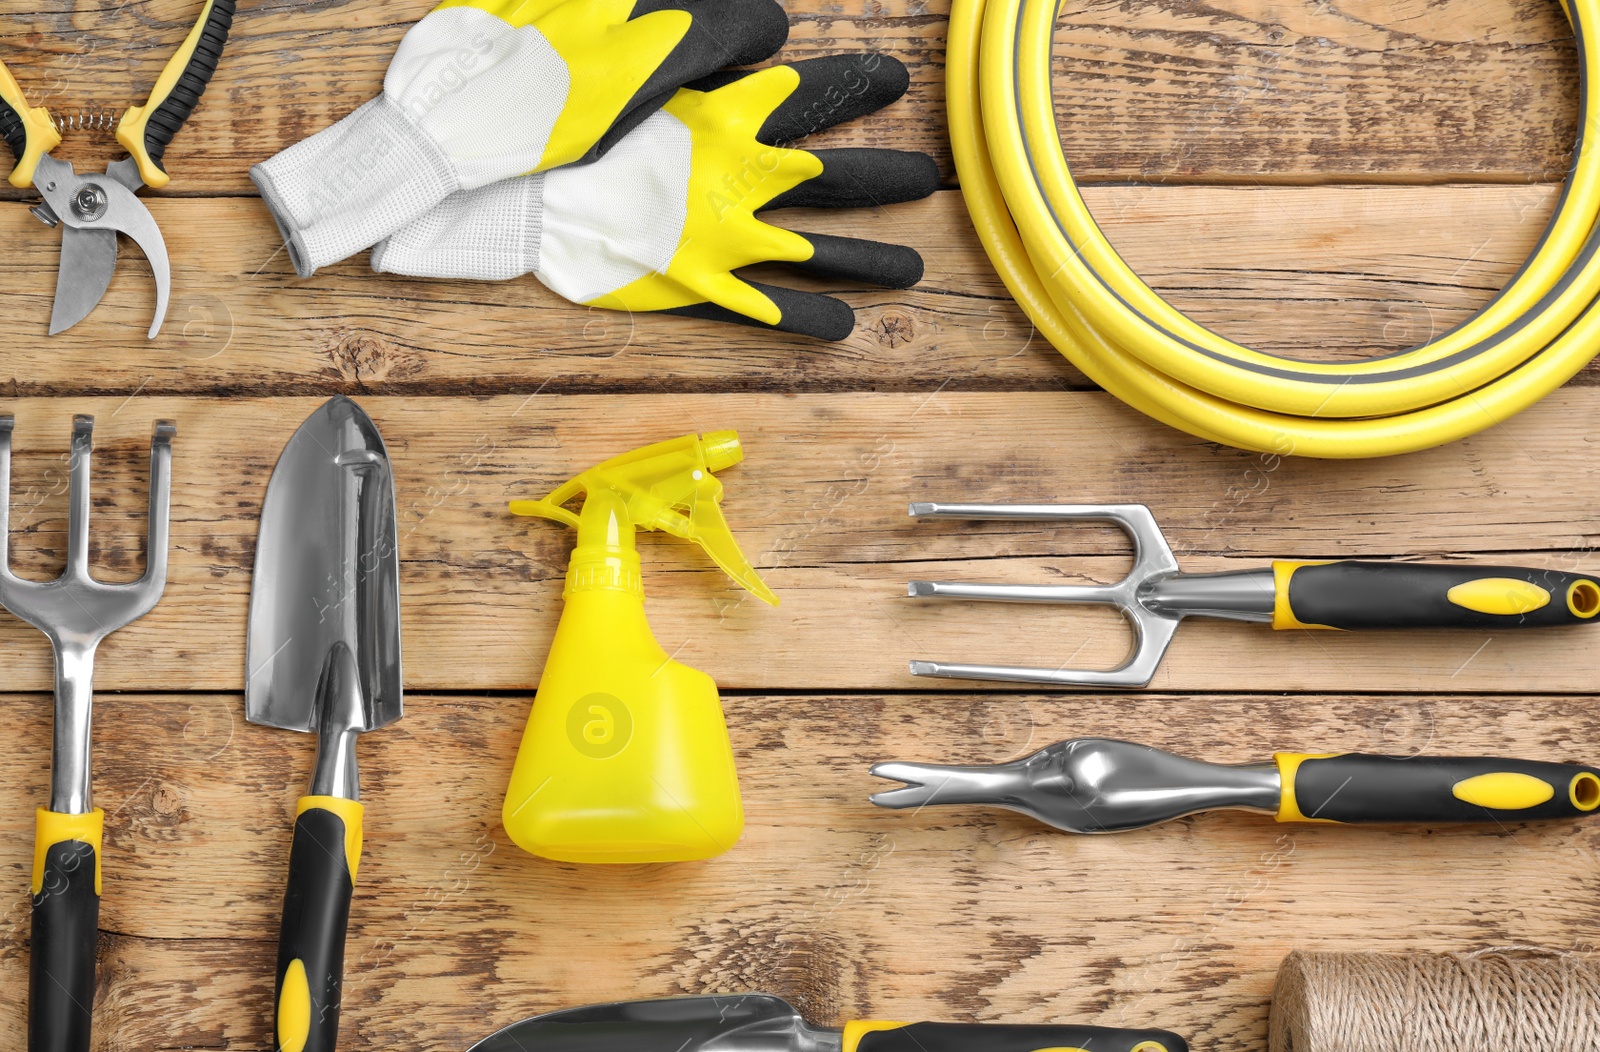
[
  {"x": 28, "y": 130},
  {"x": 872, "y": 1036},
  {"x": 1353, "y": 594},
  {"x": 144, "y": 131},
  {"x": 1352, "y": 787}
]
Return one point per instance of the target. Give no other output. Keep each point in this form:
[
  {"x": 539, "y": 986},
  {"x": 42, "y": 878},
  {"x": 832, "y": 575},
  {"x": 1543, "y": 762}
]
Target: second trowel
[{"x": 324, "y": 657}]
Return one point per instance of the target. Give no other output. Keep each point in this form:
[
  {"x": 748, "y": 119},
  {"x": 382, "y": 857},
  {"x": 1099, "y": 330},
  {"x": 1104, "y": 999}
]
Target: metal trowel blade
[
  {"x": 326, "y": 572},
  {"x": 730, "y": 1023}
]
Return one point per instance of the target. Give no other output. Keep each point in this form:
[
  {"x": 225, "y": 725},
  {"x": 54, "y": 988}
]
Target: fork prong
[
  {"x": 1152, "y": 560},
  {"x": 1151, "y": 553},
  {"x": 155, "y": 565},
  {"x": 930, "y": 784},
  {"x": 78, "y": 498},
  {"x": 1125, "y": 676},
  {"x": 1094, "y": 594},
  {"x": 914, "y": 793}
]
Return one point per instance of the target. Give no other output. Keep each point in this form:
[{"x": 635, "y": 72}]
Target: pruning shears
[{"x": 92, "y": 209}]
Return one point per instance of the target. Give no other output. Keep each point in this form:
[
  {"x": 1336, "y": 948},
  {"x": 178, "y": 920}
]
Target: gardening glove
[
  {"x": 480, "y": 90},
  {"x": 661, "y": 221}
]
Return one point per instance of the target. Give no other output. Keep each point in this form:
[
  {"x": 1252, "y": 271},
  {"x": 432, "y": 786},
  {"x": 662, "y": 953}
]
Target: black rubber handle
[
  {"x": 12, "y": 129},
  {"x": 1420, "y": 595},
  {"x": 1004, "y": 1037},
  {"x": 316, "y": 909},
  {"x": 66, "y": 927},
  {"x": 1361, "y": 788},
  {"x": 173, "y": 110}
]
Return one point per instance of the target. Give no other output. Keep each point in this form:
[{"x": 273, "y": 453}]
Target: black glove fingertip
[
  {"x": 733, "y": 32},
  {"x": 907, "y": 176},
  {"x": 863, "y": 177},
  {"x": 901, "y": 268},
  {"x": 834, "y": 89},
  {"x": 813, "y": 314},
  {"x": 803, "y": 313},
  {"x": 857, "y": 259}
]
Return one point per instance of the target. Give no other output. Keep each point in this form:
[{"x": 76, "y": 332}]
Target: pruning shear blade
[{"x": 92, "y": 210}]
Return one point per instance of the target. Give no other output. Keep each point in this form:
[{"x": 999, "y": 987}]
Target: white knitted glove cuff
[
  {"x": 488, "y": 234},
  {"x": 349, "y": 186}
]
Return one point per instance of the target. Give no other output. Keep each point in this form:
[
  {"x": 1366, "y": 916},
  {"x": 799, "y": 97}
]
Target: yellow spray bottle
[{"x": 626, "y": 756}]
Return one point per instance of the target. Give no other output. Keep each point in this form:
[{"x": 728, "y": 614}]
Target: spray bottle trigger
[
  {"x": 705, "y": 525},
  {"x": 669, "y": 486},
  {"x": 710, "y": 530}
]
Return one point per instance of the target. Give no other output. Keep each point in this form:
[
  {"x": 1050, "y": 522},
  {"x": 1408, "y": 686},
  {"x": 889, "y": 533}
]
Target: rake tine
[
  {"x": 1153, "y": 564},
  {"x": 1151, "y": 636},
  {"x": 78, "y": 498},
  {"x": 1096, "y": 594},
  {"x": 155, "y": 566}
]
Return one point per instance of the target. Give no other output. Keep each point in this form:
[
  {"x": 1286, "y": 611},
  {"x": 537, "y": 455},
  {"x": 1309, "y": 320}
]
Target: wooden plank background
[{"x": 1330, "y": 178}]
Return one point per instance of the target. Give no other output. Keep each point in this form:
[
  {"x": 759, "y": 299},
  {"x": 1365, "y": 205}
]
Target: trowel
[
  {"x": 323, "y": 657},
  {"x": 764, "y": 1023}
]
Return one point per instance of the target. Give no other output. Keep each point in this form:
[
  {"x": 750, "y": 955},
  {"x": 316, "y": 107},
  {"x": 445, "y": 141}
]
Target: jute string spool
[{"x": 1516, "y": 999}]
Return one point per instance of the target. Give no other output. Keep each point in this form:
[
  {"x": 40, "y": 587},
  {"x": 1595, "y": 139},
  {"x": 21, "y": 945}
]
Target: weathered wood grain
[
  {"x": 1248, "y": 91},
  {"x": 491, "y": 391},
  {"x": 848, "y": 910},
  {"x": 1245, "y": 89},
  {"x": 1333, "y": 273},
  {"x": 819, "y": 505}
]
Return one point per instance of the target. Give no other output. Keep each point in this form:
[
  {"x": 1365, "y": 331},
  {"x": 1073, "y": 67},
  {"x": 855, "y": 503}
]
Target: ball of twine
[{"x": 1514, "y": 999}]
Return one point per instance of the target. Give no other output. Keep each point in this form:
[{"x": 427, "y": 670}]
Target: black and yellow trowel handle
[
  {"x": 1352, "y": 594},
  {"x": 1353, "y": 787},
  {"x": 66, "y": 929},
  {"x": 871, "y": 1036},
  {"x": 323, "y": 862},
  {"x": 145, "y": 131}
]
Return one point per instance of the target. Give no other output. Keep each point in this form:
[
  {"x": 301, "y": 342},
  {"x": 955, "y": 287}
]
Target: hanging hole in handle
[
  {"x": 1583, "y": 598},
  {"x": 1585, "y": 791}
]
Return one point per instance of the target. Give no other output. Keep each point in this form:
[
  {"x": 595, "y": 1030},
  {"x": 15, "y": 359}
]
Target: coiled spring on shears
[{"x": 94, "y": 120}]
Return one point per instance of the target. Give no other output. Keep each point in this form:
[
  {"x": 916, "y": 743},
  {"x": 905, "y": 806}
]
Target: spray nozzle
[{"x": 669, "y": 486}]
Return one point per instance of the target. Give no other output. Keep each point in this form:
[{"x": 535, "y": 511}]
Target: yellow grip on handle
[
  {"x": 294, "y": 1009},
  {"x": 856, "y": 1029},
  {"x": 1288, "y": 804},
  {"x": 349, "y": 812},
  {"x": 52, "y": 828}
]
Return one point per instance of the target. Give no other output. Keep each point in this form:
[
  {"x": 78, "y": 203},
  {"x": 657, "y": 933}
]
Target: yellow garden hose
[{"x": 1529, "y": 340}]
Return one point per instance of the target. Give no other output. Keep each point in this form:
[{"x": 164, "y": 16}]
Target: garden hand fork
[
  {"x": 76, "y": 612},
  {"x": 1291, "y": 593}
]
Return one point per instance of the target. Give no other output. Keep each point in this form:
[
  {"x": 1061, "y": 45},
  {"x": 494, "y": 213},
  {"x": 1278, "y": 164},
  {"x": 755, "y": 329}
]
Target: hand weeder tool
[
  {"x": 763, "y": 1023},
  {"x": 76, "y": 612},
  {"x": 92, "y": 209},
  {"x": 1100, "y": 785},
  {"x": 1155, "y": 596},
  {"x": 323, "y": 656}
]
